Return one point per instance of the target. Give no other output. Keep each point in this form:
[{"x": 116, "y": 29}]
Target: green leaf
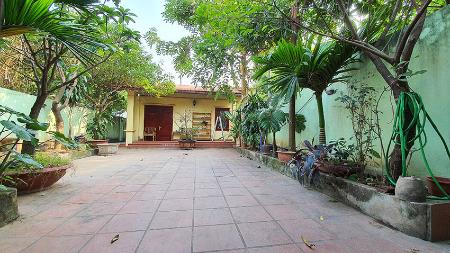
[
  {"x": 3, "y": 188},
  {"x": 26, "y": 159},
  {"x": 374, "y": 153},
  {"x": 21, "y": 132},
  {"x": 61, "y": 138}
]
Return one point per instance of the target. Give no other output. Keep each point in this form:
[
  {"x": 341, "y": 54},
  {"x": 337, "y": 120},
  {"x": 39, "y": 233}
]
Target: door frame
[{"x": 161, "y": 106}]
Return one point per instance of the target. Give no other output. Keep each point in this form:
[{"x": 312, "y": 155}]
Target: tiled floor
[{"x": 210, "y": 200}]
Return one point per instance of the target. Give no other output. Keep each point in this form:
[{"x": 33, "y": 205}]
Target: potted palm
[{"x": 271, "y": 119}]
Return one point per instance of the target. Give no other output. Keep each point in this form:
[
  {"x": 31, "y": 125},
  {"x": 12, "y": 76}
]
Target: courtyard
[{"x": 204, "y": 200}]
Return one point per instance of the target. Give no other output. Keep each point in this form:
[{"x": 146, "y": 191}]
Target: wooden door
[{"x": 161, "y": 118}]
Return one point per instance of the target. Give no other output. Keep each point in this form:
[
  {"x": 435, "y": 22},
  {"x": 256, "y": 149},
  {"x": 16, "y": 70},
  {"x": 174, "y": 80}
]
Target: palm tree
[
  {"x": 271, "y": 119},
  {"x": 19, "y": 17},
  {"x": 310, "y": 64}
]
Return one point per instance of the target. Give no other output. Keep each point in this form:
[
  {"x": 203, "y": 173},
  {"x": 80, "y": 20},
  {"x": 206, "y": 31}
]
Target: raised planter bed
[
  {"x": 8, "y": 206},
  {"x": 29, "y": 182},
  {"x": 428, "y": 221}
]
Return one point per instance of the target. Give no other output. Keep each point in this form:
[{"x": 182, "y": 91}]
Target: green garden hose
[{"x": 414, "y": 103}]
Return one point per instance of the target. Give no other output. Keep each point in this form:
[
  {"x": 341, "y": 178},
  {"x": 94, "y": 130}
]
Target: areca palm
[
  {"x": 271, "y": 119},
  {"x": 311, "y": 64}
]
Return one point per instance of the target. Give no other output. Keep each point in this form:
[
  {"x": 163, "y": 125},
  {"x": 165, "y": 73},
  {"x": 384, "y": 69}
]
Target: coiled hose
[{"x": 413, "y": 102}]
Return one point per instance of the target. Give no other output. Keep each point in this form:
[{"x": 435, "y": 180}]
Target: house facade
[{"x": 160, "y": 119}]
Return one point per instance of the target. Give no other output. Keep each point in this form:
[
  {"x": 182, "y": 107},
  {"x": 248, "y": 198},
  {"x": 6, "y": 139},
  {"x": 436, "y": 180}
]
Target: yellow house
[{"x": 158, "y": 119}]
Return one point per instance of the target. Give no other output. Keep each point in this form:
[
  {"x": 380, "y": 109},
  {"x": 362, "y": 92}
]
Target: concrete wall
[
  {"x": 432, "y": 54},
  {"x": 136, "y": 104},
  {"x": 75, "y": 119}
]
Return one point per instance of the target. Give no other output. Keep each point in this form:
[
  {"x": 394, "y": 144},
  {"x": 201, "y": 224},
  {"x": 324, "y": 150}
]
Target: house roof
[{"x": 191, "y": 89}]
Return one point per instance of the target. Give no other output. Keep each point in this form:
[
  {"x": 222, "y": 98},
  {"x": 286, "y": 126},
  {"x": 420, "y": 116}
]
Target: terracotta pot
[
  {"x": 433, "y": 188},
  {"x": 339, "y": 170},
  {"x": 29, "y": 182},
  {"x": 285, "y": 156}
]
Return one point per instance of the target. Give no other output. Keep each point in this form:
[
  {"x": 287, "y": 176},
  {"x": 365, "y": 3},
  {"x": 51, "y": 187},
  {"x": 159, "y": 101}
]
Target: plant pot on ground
[
  {"x": 28, "y": 180},
  {"x": 433, "y": 188},
  {"x": 285, "y": 155}
]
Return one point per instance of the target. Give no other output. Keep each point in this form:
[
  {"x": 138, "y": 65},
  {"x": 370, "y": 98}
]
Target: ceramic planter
[
  {"x": 285, "y": 156},
  {"x": 433, "y": 188},
  {"x": 29, "y": 182}
]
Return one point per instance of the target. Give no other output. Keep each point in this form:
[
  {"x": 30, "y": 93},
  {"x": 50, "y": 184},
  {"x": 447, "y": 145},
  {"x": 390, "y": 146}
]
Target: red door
[{"x": 161, "y": 118}]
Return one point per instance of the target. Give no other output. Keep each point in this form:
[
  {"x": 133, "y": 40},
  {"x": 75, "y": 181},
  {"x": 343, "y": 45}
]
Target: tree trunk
[
  {"x": 322, "y": 134},
  {"x": 59, "y": 122},
  {"x": 244, "y": 73},
  {"x": 274, "y": 143},
  {"x": 292, "y": 143},
  {"x": 28, "y": 147}
]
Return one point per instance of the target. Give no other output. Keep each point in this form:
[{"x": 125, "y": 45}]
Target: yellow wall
[{"x": 180, "y": 105}]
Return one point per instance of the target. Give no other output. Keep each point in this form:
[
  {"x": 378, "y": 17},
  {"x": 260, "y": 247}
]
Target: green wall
[
  {"x": 23, "y": 102},
  {"x": 432, "y": 54}
]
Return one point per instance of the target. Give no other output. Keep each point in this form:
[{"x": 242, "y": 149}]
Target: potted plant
[
  {"x": 97, "y": 127},
  {"x": 15, "y": 166},
  {"x": 341, "y": 160},
  {"x": 271, "y": 119},
  {"x": 186, "y": 131},
  {"x": 29, "y": 178}
]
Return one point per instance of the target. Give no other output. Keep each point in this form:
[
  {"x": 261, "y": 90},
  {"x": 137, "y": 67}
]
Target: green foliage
[
  {"x": 185, "y": 128},
  {"x": 300, "y": 123},
  {"x": 272, "y": 118},
  {"x": 49, "y": 160},
  {"x": 361, "y": 103},
  {"x": 13, "y": 130},
  {"x": 311, "y": 64},
  {"x": 250, "y": 126},
  {"x": 225, "y": 33}
]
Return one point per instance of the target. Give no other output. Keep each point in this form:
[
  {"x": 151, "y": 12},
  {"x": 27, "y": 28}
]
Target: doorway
[{"x": 161, "y": 119}]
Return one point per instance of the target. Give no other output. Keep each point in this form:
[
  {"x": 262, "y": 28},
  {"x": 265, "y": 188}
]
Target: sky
[{"x": 149, "y": 15}]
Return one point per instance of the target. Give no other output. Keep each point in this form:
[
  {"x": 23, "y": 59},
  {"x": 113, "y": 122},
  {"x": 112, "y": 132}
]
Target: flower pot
[
  {"x": 8, "y": 206},
  {"x": 29, "y": 182},
  {"x": 433, "y": 188},
  {"x": 285, "y": 156},
  {"x": 186, "y": 144},
  {"x": 339, "y": 170}
]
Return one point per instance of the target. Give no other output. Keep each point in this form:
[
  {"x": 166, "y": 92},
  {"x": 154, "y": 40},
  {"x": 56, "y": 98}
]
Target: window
[{"x": 220, "y": 113}]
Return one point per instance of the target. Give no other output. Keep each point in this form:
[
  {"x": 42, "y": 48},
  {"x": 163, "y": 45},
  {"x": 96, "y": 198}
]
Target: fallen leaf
[
  {"x": 310, "y": 245},
  {"x": 322, "y": 218},
  {"x": 332, "y": 200},
  {"x": 115, "y": 238},
  {"x": 414, "y": 250}
]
